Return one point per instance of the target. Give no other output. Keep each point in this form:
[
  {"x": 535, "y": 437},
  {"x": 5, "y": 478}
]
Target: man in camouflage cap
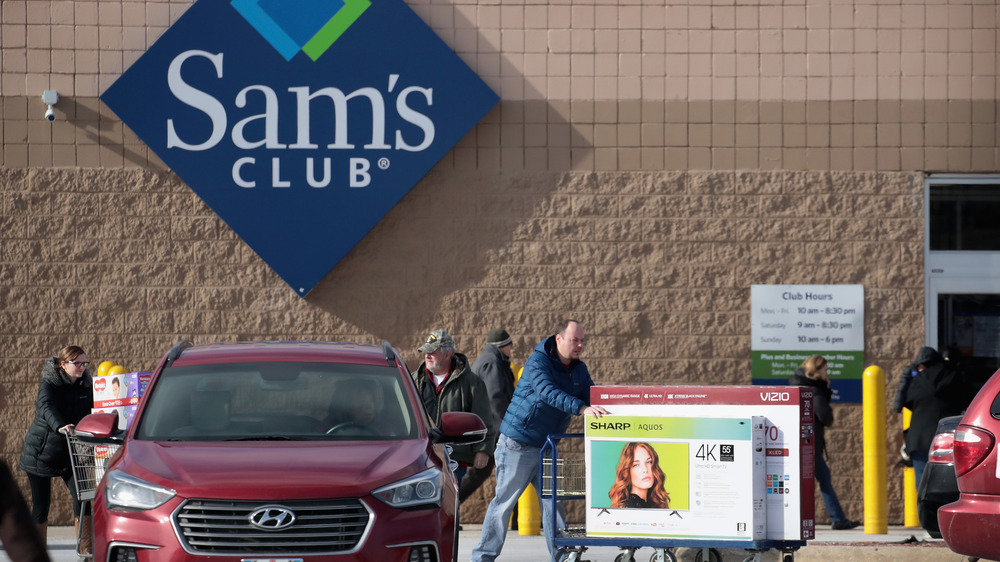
[{"x": 446, "y": 383}]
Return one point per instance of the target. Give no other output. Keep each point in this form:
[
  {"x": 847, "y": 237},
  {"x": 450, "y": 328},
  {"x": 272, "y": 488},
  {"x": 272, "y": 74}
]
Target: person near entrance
[
  {"x": 937, "y": 390},
  {"x": 554, "y": 386}
]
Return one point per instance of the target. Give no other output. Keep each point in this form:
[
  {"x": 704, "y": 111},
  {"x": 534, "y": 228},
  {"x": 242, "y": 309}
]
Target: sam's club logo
[
  {"x": 300, "y": 123},
  {"x": 307, "y": 26}
]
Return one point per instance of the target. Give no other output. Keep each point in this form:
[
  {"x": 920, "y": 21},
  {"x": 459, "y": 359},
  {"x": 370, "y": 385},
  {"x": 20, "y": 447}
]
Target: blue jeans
[
  {"x": 825, "y": 480},
  {"x": 517, "y": 465},
  {"x": 460, "y": 471}
]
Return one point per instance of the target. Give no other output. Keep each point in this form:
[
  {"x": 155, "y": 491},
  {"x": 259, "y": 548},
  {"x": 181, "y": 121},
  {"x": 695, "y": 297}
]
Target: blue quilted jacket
[{"x": 545, "y": 397}]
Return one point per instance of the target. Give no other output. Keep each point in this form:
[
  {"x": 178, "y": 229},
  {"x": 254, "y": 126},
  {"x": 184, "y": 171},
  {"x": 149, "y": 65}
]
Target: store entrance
[
  {"x": 970, "y": 325},
  {"x": 962, "y": 270}
]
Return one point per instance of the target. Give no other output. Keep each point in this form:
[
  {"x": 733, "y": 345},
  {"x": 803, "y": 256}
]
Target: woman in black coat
[{"x": 64, "y": 396}]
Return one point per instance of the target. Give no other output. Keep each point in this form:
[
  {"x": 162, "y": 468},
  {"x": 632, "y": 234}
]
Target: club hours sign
[
  {"x": 301, "y": 124},
  {"x": 791, "y": 322}
]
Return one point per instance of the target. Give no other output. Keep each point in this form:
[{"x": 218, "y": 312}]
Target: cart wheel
[
  {"x": 627, "y": 556},
  {"x": 663, "y": 555},
  {"x": 713, "y": 555},
  {"x": 787, "y": 557}
]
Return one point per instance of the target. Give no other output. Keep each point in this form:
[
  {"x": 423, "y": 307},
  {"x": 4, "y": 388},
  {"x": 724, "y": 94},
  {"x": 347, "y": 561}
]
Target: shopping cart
[
  {"x": 89, "y": 458},
  {"x": 564, "y": 478}
]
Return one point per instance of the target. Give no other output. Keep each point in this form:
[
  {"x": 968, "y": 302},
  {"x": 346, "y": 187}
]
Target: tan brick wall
[
  {"x": 658, "y": 267},
  {"x": 958, "y": 136}
]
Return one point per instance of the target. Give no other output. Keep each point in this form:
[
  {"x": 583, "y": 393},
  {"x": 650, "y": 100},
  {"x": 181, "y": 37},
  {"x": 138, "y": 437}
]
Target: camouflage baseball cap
[{"x": 437, "y": 339}]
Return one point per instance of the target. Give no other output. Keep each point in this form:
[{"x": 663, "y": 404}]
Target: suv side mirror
[
  {"x": 459, "y": 428},
  {"x": 99, "y": 426}
]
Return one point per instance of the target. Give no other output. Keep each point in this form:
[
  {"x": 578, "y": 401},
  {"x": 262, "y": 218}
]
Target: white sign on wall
[{"x": 791, "y": 322}]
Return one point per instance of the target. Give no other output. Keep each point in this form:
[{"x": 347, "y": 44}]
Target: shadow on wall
[
  {"x": 87, "y": 121},
  {"x": 447, "y": 254}
]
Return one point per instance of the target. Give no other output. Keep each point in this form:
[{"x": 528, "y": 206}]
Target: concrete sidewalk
[{"x": 899, "y": 543}]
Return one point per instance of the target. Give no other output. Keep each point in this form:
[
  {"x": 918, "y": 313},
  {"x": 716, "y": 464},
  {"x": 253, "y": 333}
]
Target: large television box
[
  {"x": 788, "y": 440},
  {"x": 120, "y": 393},
  {"x": 677, "y": 477}
]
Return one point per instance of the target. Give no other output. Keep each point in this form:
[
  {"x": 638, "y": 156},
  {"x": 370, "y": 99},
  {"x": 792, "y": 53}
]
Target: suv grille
[{"x": 223, "y": 527}]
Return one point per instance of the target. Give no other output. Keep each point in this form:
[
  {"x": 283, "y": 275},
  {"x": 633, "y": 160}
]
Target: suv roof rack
[
  {"x": 176, "y": 351},
  {"x": 390, "y": 354}
]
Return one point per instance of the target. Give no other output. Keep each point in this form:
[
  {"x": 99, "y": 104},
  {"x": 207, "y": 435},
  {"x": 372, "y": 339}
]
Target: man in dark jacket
[
  {"x": 554, "y": 386},
  {"x": 446, "y": 383},
  {"x": 936, "y": 391},
  {"x": 493, "y": 366}
]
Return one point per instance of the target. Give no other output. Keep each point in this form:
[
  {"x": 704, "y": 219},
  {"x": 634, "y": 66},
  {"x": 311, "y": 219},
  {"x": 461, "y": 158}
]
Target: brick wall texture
[
  {"x": 648, "y": 163},
  {"x": 657, "y": 265}
]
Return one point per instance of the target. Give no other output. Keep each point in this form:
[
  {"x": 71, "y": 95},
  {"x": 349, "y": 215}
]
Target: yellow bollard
[
  {"x": 529, "y": 517},
  {"x": 876, "y": 494},
  {"x": 910, "y": 516}
]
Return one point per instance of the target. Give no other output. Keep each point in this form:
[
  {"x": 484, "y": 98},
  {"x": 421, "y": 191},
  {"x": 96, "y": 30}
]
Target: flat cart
[
  {"x": 564, "y": 478},
  {"x": 89, "y": 458}
]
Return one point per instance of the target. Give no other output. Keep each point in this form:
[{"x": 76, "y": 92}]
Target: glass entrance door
[
  {"x": 962, "y": 270},
  {"x": 966, "y": 320}
]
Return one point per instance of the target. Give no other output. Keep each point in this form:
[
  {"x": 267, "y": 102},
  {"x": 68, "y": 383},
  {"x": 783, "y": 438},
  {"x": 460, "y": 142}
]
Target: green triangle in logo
[{"x": 334, "y": 28}]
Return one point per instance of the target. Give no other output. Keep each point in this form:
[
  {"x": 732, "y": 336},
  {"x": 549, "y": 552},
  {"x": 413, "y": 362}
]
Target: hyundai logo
[{"x": 272, "y": 517}]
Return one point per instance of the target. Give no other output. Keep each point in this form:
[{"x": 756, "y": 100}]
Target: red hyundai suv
[{"x": 298, "y": 451}]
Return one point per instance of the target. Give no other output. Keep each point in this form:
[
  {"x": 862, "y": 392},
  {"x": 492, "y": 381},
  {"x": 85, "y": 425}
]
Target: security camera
[{"x": 50, "y": 98}]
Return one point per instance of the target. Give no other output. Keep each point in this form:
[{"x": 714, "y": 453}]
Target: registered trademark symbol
[{"x": 383, "y": 163}]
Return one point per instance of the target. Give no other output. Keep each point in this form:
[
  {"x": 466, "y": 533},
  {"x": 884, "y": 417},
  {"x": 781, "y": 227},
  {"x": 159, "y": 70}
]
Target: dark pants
[
  {"x": 20, "y": 536},
  {"x": 41, "y": 496},
  {"x": 825, "y": 480},
  {"x": 473, "y": 479}
]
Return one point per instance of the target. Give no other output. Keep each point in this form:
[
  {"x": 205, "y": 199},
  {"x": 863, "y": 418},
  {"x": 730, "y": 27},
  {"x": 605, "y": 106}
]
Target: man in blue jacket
[{"x": 554, "y": 385}]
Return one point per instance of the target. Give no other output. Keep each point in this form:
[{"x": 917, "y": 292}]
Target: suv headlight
[
  {"x": 124, "y": 491},
  {"x": 423, "y": 488}
]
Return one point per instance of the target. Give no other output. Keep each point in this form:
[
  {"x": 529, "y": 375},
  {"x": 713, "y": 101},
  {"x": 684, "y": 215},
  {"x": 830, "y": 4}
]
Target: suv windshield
[{"x": 276, "y": 401}]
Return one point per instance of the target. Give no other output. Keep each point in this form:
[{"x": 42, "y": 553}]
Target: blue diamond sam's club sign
[{"x": 300, "y": 123}]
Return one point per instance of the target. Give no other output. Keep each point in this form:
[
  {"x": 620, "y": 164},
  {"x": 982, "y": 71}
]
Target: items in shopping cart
[{"x": 89, "y": 458}]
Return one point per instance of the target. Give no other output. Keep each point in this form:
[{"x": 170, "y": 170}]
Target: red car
[
  {"x": 298, "y": 451},
  {"x": 971, "y": 525}
]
